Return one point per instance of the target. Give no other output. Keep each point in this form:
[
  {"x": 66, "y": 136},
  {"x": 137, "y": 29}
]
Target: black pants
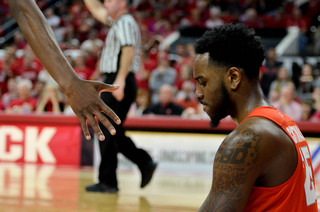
[{"x": 119, "y": 142}]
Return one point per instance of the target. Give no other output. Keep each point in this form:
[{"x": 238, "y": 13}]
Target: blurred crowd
[{"x": 165, "y": 79}]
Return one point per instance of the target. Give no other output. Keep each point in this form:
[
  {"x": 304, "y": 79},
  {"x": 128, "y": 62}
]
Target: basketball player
[
  {"x": 83, "y": 96},
  {"x": 265, "y": 163},
  {"x": 119, "y": 63}
]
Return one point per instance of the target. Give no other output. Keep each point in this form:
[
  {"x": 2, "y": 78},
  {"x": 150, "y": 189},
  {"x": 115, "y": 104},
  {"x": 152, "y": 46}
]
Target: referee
[{"x": 118, "y": 64}]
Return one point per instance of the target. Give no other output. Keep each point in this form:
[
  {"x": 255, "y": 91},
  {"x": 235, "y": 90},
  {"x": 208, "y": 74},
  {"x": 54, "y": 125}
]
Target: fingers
[
  {"x": 96, "y": 128},
  {"x": 102, "y": 118},
  {"x": 84, "y": 127},
  {"x": 106, "y": 123},
  {"x": 109, "y": 112}
]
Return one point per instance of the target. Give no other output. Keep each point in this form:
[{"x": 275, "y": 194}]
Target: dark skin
[
  {"x": 251, "y": 154},
  {"x": 83, "y": 96}
]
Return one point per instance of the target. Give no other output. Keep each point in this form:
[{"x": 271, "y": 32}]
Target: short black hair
[{"x": 233, "y": 45}]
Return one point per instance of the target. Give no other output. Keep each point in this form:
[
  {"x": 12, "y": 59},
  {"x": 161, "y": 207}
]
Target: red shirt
[
  {"x": 84, "y": 73},
  {"x": 17, "y": 105},
  {"x": 298, "y": 192}
]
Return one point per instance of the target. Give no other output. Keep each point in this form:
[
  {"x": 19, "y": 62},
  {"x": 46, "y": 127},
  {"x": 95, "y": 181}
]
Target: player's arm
[
  {"x": 83, "y": 96},
  {"x": 127, "y": 53},
  {"x": 235, "y": 172},
  {"x": 97, "y": 10}
]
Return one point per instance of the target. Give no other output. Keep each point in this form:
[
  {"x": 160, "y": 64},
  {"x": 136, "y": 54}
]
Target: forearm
[
  {"x": 40, "y": 37},
  {"x": 41, "y": 105},
  {"x": 97, "y": 10},
  {"x": 55, "y": 106},
  {"x": 206, "y": 205},
  {"x": 220, "y": 203},
  {"x": 125, "y": 62}
]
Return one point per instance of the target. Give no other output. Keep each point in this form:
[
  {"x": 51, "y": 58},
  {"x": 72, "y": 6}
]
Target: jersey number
[{"x": 309, "y": 187}]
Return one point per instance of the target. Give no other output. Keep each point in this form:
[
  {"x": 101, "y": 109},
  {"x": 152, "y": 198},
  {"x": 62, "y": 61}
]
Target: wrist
[{"x": 68, "y": 84}]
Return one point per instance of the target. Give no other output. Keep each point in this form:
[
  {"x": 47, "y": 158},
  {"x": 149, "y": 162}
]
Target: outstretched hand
[{"x": 84, "y": 99}]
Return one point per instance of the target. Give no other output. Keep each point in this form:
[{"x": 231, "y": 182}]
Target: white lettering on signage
[
  {"x": 39, "y": 144},
  {"x": 15, "y": 150},
  {"x": 35, "y": 144}
]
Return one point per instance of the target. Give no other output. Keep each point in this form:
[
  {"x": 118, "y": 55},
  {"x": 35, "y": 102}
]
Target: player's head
[
  {"x": 225, "y": 56},
  {"x": 233, "y": 45}
]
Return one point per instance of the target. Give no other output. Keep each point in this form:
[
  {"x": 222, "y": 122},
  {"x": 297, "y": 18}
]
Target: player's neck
[{"x": 253, "y": 100}]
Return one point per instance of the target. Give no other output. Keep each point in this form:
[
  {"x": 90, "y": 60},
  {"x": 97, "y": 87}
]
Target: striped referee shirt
[{"x": 123, "y": 32}]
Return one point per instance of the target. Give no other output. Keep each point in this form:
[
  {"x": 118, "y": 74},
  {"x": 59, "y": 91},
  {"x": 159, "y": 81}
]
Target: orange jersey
[{"x": 298, "y": 192}]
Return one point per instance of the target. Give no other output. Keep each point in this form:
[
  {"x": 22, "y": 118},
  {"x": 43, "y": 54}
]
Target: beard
[{"x": 222, "y": 110}]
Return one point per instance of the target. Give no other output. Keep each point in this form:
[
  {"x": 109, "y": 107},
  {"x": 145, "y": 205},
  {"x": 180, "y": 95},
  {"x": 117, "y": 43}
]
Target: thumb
[{"x": 102, "y": 87}]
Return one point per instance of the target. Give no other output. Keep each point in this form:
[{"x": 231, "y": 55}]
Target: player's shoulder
[{"x": 255, "y": 131}]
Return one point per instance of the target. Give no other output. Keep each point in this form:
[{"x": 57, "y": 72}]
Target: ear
[{"x": 234, "y": 77}]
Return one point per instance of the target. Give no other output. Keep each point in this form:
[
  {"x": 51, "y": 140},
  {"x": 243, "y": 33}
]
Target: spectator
[
  {"x": 185, "y": 55},
  {"x": 11, "y": 60},
  {"x": 193, "y": 20},
  {"x": 202, "y": 7},
  {"x": 214, "y": 19},
  {"x": 31, "y": 67},
  {"x": 163, "y": 28},
  {"x": 163, "y": 74},
  {"x": 38, "y": 88},
  {"x": 12, "y": 92},
  {"x": 142, "y": 102},
  {"x": 185, "y": 97},
  {"x": 307, "y": 110},
  {"x": 306, "y": 79},
  {"x": 251, "y": 19},
  {"x": 287, "y": 103},
  {"x": 5, "y": 74},
  {"x": 269, "y": 70},
  {"x": 185, "y": 74},
  {"x": 146, "y": 66},
  {"x": 46, "y": 78},
  {"x": 92, "y": 48},
  {"x": 273, "y": 96},
  {"x": 19, "y": 41},
  {"x": 166, "y": 105},
  {"x": 49, "y": 100},
  {"x": 316, "y": 115},
  {"x": 282, "y": 80},
  {"x": 297, "y": 20},
  {"x": 52, "y": 18},
  {"x": 316, "y": 98},
  {"x": 92, "y": 40},
  {"x": 24, "y": 103},
  {"x": 2, "y": 108},
  {"x": 81, "y": 69},
  {"x": 276, "y": 21}
]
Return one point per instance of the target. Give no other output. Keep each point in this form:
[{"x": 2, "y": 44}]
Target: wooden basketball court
[{"x": 39, "y": 188}]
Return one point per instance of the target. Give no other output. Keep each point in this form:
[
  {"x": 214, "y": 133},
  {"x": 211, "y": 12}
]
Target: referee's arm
[
  {"x": 127, "y": 53},
  {"x": 97, "y": 10}
]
